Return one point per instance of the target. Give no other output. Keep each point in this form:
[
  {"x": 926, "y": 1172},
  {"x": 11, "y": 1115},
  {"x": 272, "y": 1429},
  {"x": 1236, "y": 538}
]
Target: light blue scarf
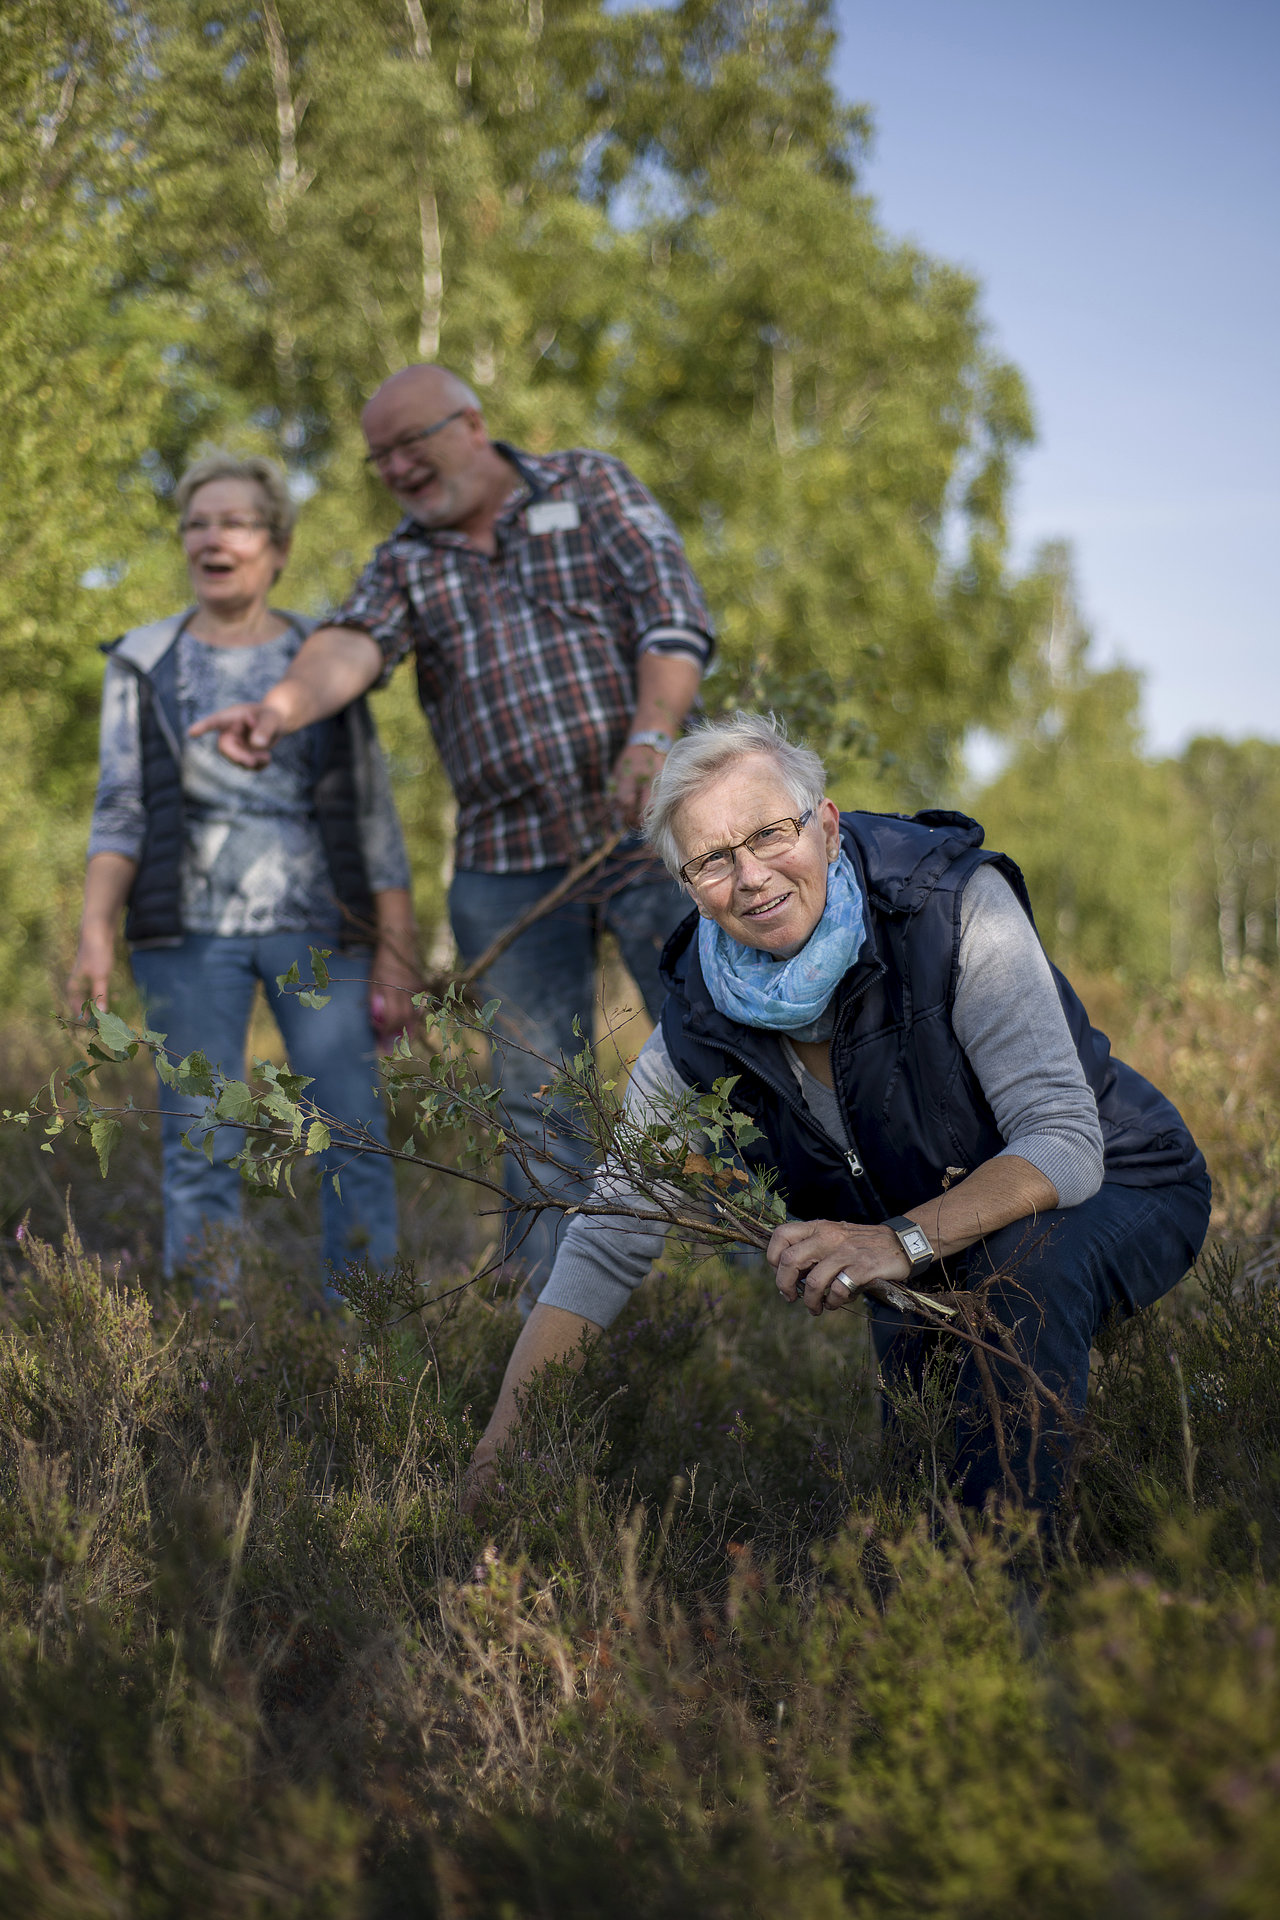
[{"x": 793, "y": 995}]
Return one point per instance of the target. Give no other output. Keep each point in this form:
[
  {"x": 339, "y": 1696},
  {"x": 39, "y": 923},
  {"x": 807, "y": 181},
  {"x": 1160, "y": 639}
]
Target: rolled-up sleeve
[
  {"x": 386, "y": 859},
  {"x": 1009, "y": 1020},
  {"x": 639, "y": 545},
  {"x": 603, "y": 1258},
  {"x": 119, "y": 814},
  {"x": 379, "y": 605}
]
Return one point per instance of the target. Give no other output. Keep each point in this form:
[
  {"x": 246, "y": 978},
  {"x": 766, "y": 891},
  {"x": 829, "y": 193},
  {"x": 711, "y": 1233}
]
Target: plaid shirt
[{"x": 527, "y": 658}]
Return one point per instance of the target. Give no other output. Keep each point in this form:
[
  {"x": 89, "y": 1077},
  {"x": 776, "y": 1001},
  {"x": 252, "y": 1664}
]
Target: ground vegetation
[{"x": 709, "y": 1645}]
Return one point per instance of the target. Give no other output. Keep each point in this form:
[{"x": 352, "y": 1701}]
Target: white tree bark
[{"x": 431, "y": 306}]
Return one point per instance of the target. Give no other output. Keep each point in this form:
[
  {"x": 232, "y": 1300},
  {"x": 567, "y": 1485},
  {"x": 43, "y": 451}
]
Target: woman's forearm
[
  {"x": 994, "y": 1195},
  {"x": 835, "y": 1259},
  {"x": 107, "y": 880},
  {"x": 393, "y": 908},
  {"x": 549, "y": 1334}
]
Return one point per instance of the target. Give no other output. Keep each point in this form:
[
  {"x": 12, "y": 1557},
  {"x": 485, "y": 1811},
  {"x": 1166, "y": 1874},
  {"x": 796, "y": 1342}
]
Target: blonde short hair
[
  {"x": 694, "y": 762},
  {"x": 266, "y": 475}
]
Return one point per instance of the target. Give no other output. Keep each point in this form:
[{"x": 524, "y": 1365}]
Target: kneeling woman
[
  {"x": 929, "y": 1090},
  {"x": 228, "y": 877}
]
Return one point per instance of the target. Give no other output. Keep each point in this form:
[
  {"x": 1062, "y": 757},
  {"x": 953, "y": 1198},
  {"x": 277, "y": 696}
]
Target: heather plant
[
  {"x": 255, "y": 1660},
  {"x": 711, "y": 1645}
]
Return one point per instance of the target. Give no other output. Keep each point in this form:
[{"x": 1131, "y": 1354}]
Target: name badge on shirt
[{"x": 552, "y": 516}]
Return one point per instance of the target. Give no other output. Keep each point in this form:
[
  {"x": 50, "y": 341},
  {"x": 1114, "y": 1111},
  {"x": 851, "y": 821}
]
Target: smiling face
[
  {"x": 443, "y": 481},
  {"x": 231, "y": 558},
  {"x": 773, "y": 905}
]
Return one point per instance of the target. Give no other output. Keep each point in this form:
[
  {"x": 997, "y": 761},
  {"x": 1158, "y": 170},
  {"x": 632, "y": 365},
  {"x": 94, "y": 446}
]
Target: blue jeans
[
  {"x": 1059, "y": 1279},
  {"x": 546, "y": 980},
  {"x": 200, "y": 995}
]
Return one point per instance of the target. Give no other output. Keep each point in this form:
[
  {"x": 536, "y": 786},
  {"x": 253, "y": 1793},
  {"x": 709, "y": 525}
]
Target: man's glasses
[
  {"x": 768, "y": 843},
  {"x": 407, "y": 442},
  {"x": 236, "y": 526}
]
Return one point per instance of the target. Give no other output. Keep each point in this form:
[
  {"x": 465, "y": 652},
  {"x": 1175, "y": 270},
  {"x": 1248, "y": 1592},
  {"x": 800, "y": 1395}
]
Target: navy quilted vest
[
  {"x": 154, "y": 911},
  {"x": 911, "y": 1102}
]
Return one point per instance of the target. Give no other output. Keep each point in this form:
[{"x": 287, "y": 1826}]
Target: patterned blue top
[{"x": 254, "y": 862}]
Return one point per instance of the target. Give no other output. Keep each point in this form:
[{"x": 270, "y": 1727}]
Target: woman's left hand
[
  {"x": 835, "y": 1260},
  {"x": 393, "y": 980}
]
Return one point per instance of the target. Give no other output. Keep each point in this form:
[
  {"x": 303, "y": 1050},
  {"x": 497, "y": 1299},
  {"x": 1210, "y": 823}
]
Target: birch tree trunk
[{"x": 431, "y": 309}]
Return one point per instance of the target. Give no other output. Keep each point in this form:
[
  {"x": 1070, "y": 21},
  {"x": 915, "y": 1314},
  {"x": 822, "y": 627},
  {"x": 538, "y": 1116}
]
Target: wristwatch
[
  {"x": 660, "y": 742},
  {"x": 913, "y": 1240}
]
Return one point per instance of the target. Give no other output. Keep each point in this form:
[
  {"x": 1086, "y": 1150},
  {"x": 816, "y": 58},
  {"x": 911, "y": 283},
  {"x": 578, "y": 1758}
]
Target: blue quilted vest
[
  {"x": 154, "y": 916},
  {"x": 914, "y": 1110}
]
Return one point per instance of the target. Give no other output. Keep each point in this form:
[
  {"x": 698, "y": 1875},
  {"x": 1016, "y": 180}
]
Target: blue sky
[{"x": 1111, "y": 174}]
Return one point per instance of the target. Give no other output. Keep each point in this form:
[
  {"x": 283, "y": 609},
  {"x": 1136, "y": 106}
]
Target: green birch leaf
[
  {"x": 114, "y": 1033},
  {"x": 237, "y": 1104},
  {"x": 195, "y": 1075},
  {"x": 317, "y": 1137},
  {"x": 104, "y": 1133}
]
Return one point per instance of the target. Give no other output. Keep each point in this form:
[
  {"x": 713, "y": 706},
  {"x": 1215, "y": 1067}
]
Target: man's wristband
[
  {"x": 913, "y": 1240},
  {"x": 660, "y": 742}
]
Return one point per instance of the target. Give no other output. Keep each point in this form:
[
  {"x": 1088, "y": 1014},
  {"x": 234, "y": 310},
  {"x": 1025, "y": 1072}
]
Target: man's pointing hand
[{"x": 246, "y": 734}]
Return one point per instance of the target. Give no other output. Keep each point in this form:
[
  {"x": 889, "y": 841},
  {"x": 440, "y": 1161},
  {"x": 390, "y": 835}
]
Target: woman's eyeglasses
[
  {"x": 235, "y": 526},
  {"x": 768, "y": 843}
]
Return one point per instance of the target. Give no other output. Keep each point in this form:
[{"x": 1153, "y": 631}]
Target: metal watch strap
[
  {"x": 660, "y": 742},
  {"x": 918, "y": 1256}
]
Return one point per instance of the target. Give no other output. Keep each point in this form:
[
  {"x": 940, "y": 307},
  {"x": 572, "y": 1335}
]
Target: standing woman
[{"x": 226, "y": 877}]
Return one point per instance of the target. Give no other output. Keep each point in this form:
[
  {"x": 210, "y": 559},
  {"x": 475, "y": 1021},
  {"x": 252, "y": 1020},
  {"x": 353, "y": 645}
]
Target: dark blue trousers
[
  {"x": 546, "y": 980},
  {"x": 1055, "y": 1281}
]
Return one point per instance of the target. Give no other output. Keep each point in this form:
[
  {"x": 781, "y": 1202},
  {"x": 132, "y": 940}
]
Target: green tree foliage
[
  {"x": 1149, "y": 868},
  {"x": 1226, "y": 899},
  {"x": 83, "y": 398},
  {"x": 1086, "y": 816},
  {"x": 638, "y": 229}
]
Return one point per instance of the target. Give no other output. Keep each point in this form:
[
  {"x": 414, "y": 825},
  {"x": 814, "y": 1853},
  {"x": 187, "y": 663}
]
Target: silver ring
[{"x": 845, "y": 1282}]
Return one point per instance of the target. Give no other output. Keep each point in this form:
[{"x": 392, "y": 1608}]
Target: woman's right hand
[{"x": 90, "y": 977}]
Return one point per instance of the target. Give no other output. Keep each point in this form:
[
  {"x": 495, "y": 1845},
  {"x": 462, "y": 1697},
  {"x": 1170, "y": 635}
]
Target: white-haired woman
[
  {"x": 924, "y": 1081},
  {"x": 227, "y": 877}
]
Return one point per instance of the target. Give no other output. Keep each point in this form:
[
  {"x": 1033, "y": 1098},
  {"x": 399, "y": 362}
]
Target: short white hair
[
  {"x": 694, "y": 762},
  {"x": 256, "y": 471}
]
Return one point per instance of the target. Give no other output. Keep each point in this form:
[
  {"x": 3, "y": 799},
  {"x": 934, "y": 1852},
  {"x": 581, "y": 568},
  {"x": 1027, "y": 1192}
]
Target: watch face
[{"x": 916, "y": 1242}]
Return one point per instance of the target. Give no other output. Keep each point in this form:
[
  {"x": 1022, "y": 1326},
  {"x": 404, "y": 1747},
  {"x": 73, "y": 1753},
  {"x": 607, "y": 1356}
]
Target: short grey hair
[
  {"x": 258, "y": 471},
  {"x": 694, "y": 762}
]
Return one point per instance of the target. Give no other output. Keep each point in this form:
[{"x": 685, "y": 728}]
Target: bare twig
[{"x": 547, "y": 904}]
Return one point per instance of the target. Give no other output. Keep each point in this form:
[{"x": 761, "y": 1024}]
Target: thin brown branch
[{"x": 547, "y": 904}]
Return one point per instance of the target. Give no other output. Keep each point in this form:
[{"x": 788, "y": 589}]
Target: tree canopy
[{"x": 642, "y": 230}]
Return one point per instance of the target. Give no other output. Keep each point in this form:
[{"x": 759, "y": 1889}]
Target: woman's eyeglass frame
[
  {"x": 691, "y": 871},
  {"x": 228, "y": 526}
]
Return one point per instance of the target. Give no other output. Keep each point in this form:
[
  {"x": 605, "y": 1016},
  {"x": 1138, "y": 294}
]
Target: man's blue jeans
[
  {"x": 546, "y": 980},
  {"x": 200, "y": 995},
  {"x": 1059, "y": 1279}
]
